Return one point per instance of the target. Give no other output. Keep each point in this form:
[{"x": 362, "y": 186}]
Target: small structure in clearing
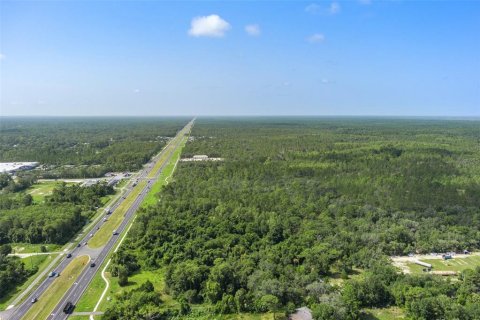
[
  {"x": 201, "y": 157},
  {"x": 445, "y": 273},
  {"x": 423, "y": 264}
]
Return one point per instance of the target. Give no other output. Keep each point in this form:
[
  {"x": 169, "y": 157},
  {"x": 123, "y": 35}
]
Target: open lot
[
  {"x": 35, "y": 248},
  {"x": 455, "y": 264},
  {"x": 40, "y": 190},
  {"x": 390, "y": 313}
]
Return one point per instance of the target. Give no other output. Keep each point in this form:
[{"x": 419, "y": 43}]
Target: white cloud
[
  {"x": 313, "y": 8},
  {"x": 208, "y": 26},
  {"x": 136, "y": 91},
  {"x": 316, "y": 38},
  {"x": 2, "y": 56},
  {"x": 253, "y": 29},
  {"x": 334, "y": 8}
]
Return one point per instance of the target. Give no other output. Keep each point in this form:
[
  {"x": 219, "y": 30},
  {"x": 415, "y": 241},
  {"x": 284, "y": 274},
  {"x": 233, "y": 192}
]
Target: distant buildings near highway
[
  {"x": 201, "y": 157},
  {"x": 111, "y": 178},
  {"x": 12, "y": 167}
]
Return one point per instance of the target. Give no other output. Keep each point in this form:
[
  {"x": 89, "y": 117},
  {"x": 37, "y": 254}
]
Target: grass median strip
[
  {"x": 151, "y": 198},
  {"x": 57, "y": 289},
  {"x": 162, "y": 159},
  {"x": 115, "y": 219}
]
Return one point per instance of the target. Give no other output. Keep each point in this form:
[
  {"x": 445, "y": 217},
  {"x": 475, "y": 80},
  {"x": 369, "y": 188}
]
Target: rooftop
[{"x": 16, "y": 166}]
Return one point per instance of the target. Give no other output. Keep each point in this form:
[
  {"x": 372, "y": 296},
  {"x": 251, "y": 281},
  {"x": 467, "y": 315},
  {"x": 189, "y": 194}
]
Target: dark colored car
[
  {"x": 69, "y": 255},
  {"x": 92, "y": 264},
  {"x": 68, "y": 307}
]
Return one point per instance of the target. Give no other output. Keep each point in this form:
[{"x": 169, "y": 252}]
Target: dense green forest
[
  {"x": 12, "y": 270},
  {"x": 85, "y": 147},
  {"x": 297, "y": 202},
  {"x": 55, "y": 220}
]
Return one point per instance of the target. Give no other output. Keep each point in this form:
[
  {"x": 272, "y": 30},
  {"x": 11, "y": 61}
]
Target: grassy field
[
  {"x": 391, "y": 313},
  {"x": 41, "y": 262},
  {"x": 455, "y": 264},
  {"x": 34, "y": 248},
  {"x": 115, "y": 219},
  {"x": 40, "y": 190},
  {"x": 57, "y": 289}
]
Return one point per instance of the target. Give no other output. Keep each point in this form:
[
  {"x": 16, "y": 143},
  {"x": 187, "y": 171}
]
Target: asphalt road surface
[{"x": 98, "y": 256}]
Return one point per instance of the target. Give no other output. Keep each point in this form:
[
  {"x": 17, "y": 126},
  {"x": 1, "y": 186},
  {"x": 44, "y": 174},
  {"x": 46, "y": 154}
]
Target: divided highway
[{"x": 98, "y": 255}]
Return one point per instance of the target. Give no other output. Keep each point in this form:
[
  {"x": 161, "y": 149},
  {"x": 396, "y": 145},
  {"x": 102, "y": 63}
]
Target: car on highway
[
  {"x": 115, "y": 232},
  {"x": 68, "y": 307},
  {"x": 52, "y": 274},
  {"x": 92, "y": 264},
  {"x": 34, "y": 300},
  {"x": 69, "y": 255}
]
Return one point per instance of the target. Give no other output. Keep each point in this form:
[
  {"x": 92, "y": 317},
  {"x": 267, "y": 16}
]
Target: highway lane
[{"x": 76, "y": 291}]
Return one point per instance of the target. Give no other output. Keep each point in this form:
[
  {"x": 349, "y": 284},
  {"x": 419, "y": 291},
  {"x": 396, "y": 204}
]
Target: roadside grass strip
[
  {"x": 49, "y": 299},
  {"x": 115, "y": 219}
]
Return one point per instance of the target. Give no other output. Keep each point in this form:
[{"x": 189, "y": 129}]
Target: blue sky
[{"x": 197, "y": 58}]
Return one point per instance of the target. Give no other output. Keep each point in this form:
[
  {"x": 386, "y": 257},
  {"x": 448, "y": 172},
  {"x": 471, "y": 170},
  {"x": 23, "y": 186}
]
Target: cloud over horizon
[{"x": 209, "y": 26}]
